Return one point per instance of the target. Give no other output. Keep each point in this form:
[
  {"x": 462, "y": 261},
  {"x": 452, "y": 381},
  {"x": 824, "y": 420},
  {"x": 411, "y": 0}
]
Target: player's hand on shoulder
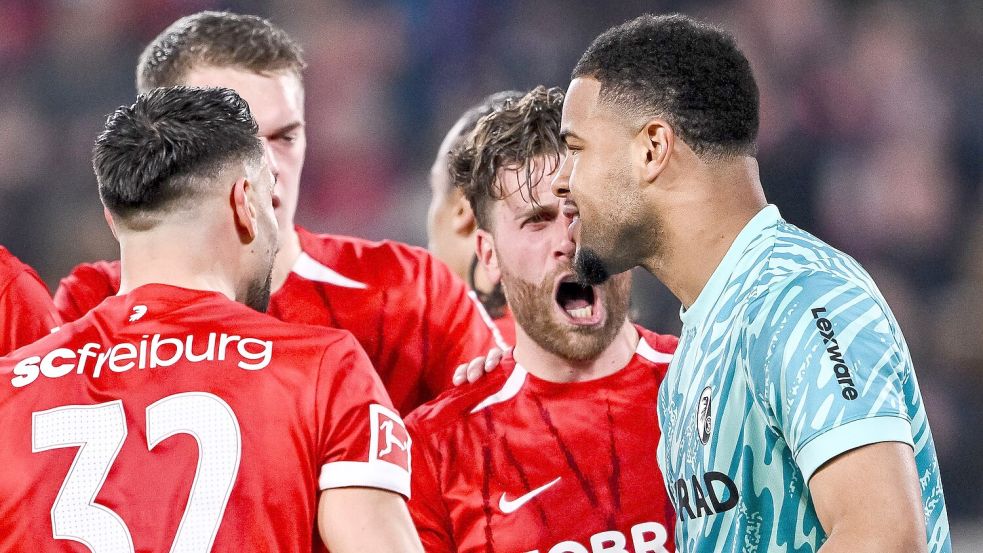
[{"x": 478, "y": 367}]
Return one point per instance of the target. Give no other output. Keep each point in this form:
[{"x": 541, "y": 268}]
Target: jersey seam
[
  {"x": 6, "y": 287},
  {"x": 445, "y": 511},
  {"x": 317, "y": 423}
]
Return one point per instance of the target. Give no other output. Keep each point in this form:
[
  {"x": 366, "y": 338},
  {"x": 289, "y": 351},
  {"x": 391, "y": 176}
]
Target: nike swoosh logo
[{"x": 508, "y": 507}]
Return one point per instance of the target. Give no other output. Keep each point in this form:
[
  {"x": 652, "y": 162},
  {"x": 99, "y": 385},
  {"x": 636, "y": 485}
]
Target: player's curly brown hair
[
  {"x": 509, "y": 137},
  {"x": 220, "y": 39}
]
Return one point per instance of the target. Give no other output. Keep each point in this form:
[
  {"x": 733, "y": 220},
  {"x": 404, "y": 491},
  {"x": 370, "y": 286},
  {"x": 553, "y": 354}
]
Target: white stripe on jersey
[
  {"x": 309, "y": 268},
  {"x": 648, "y": 352},
  {"x": 508, "y": 391},
  {"x": 489, "y": 322}
]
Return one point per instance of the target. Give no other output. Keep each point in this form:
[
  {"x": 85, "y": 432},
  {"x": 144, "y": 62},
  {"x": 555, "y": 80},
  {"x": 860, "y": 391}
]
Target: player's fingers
[
  {"x": 476, "y": 368},
  {"x": 493, "y": 359},
  {"x": 460, "y": 374}
]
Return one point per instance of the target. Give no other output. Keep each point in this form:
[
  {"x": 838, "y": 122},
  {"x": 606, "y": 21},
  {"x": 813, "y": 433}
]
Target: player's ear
[
  {"x": 485, "y": 250},
  {"x": 110, "y": 222},
  {"x": 463, "y": 222},
  {"x": 244, "y": 212},
  {"x": 654, "y": 145}
]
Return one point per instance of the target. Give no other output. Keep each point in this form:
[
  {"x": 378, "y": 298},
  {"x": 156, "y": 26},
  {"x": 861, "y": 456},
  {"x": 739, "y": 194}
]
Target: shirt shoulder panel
[{"x": 455, "y": 405}]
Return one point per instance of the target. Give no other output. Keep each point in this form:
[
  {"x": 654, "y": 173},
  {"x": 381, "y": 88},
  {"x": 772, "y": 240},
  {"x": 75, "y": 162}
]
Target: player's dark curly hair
[
  {"x": 220, "y": 39},
  {"x": 509, "y": 137},
  {"x": 162, "y": 149},
  {"x": 688, "y": 72}
]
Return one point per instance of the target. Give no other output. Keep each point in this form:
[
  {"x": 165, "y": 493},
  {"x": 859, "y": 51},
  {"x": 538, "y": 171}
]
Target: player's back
[
  {"x": 167, "y": 403},
  {"x": 410, "y": 313}
]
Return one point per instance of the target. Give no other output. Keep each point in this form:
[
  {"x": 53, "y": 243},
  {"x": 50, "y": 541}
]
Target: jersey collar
[{"x": 714, "y": 287}]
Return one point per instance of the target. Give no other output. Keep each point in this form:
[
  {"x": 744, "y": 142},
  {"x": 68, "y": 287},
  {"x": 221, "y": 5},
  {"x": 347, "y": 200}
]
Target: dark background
[{"x": 871, "y": 138}]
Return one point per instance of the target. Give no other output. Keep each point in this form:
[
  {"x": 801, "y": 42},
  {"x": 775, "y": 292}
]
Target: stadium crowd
[{"x": 871, "y": 138}]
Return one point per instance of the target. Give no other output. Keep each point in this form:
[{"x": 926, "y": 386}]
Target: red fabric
[
  {"x": 414, "y": 318},
  {"x": 506, "y": 326},
  {"x": 303, "y": 407},
  {"x": 26, "y": 310},
  {"x": 85, "y": 287},
  {"x": 598, "y": 437}
]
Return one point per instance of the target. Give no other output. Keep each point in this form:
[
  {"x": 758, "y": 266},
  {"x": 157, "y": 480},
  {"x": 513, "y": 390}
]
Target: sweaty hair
[
  {"x": 470, "y": 118},
  {"x": 508, "y": 137},
  {"x": 689, "y": 73},
  {"x": 219, "y": 39},
  {"x": 161, "y": 151}
]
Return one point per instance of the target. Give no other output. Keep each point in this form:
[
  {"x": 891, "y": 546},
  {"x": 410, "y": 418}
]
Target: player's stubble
[
  {"x": 533, "y": 306},
  {"x": 260, "y": 288},
  {"x": 619, "y": 231},
  {"x": 259, "y": 291}
]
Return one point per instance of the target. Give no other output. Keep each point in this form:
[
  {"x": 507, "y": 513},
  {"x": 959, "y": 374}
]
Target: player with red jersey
[
  {"x": 413, "y": 316},
  {"x": 555, "y": 452},
  {"x": 451, "y": 225},
  {"x": 26, "y": 311},
  {"x": 171, "y": 417}
]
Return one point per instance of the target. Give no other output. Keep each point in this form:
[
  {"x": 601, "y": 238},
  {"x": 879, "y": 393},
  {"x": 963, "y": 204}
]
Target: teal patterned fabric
[{"x": 789, "y": 357}]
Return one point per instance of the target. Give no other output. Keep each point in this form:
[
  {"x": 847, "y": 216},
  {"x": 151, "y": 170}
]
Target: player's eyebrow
[
  {"x": 287, "y": 128},
  {"x": 567, "y": 134},
  {"x": 534, "y": 210}
]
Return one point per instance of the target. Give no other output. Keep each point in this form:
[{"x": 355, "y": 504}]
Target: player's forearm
[
  {"x": 355, "y": 520},
  {"x": 896, "y": 539}
]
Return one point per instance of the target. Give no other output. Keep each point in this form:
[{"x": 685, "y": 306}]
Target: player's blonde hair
[{"x": 218, "y": 39}]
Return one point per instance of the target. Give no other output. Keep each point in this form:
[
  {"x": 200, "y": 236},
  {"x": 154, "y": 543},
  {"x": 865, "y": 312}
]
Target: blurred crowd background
[{"x": 871, "y": 138}]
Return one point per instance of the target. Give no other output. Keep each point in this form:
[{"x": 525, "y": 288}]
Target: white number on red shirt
[{"x": 99, "y": 431}]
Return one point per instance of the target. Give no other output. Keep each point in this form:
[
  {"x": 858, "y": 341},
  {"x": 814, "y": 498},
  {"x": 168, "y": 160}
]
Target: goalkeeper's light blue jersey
[{"x": 788, "y": 358}]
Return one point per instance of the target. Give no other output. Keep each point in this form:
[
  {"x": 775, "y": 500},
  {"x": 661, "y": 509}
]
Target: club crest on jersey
[
  {"x": 704, "y": 416},
  {"x": 390, "y": 440}
]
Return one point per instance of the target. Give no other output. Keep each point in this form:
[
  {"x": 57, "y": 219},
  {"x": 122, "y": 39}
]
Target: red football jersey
[
  {"x": 516, "y": 464},
  {"x": 503, "y": 326},
  {"x": 412, "y": 315},
  {"x": 506, "y": 327},
  {"x": 26, "y": 310},
  {"x": 172, "y": 416}
]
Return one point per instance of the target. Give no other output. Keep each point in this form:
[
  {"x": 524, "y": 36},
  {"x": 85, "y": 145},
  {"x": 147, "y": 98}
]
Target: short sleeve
[
  {"x": 362, "y": 440},
  {"x": 828, "y": 362},
  {"x": 427, "y": 506},
  {"x": 458, "y": 327},
  {"x": 26, "y": 312},
  {"x": 85, "y": 287}
]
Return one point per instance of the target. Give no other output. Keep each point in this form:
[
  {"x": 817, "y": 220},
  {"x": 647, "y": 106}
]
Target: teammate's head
[
  {"x": 650, "y": 100},
  {"x": 177, "y": 157},
  {"x": 256, "y": 59},
  {"x": 504, "y": 168},
  {"x": 450, "y": 222}
]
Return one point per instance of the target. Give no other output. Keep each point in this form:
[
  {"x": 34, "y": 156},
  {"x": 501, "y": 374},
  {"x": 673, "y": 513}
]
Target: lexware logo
[{"x": 704, "y": 416}]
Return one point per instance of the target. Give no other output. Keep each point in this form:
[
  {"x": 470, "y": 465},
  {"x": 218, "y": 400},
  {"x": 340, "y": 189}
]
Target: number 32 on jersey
[{"x": 99, "y": 432}]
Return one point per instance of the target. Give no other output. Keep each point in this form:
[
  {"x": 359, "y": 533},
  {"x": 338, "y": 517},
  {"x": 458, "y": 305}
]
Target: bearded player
[
  {"x": 555, "y": 451},
  {"x": 791, "y": 415},
  {"x": 26, "y": 310},
  {"x": 414, "y": 318},
  {"x": 172, "y": 417},
  {"x": 451, "y": 225}
]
